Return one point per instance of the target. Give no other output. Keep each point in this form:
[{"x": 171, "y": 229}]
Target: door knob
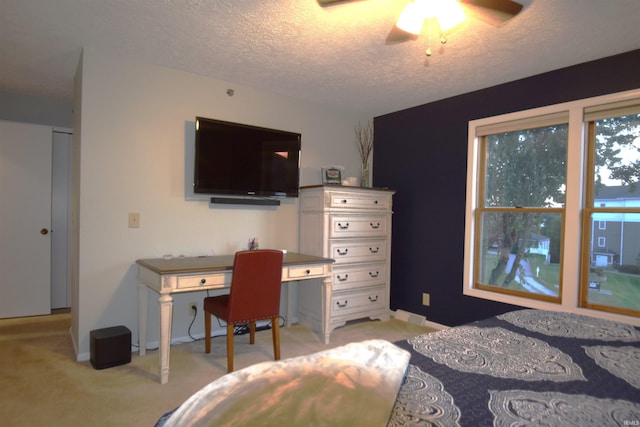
[{"x": 44, "y": 231}]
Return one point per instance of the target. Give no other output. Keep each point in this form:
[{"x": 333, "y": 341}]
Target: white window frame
[
  {"x": 576, "y": 184},
  {"x": 602, "y": 225},
  {"x": 602, "y": 242}
]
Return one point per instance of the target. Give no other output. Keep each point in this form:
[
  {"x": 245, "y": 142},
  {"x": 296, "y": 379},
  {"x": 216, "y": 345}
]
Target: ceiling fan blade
[
  {"x": 494, "y": 12},
  {"x": 325, "y": 3},
  {"x": 508, "y": 7},
  {"x": 396, "y": 35}
]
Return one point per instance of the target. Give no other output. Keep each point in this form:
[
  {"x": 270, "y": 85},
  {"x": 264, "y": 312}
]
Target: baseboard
[
  {"x": 413, "y": 318},
  {"x": 434, "y": 325},
  {"x": 261, "y": 325},
  {"x": 417, "y": 319}
]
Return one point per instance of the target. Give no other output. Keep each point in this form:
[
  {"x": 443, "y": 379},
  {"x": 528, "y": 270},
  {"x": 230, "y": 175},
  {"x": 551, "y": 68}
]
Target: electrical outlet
[
  {"x": 426, "y": 299},
  {"x": 193, "y": 308}
]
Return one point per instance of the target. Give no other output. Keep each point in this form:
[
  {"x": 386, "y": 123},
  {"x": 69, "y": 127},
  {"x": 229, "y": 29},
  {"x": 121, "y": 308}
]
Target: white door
[{"x": 25, "y": 219}]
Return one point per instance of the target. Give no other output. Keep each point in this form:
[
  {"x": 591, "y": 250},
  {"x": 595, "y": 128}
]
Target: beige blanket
[{"x": 356, "y": 384}]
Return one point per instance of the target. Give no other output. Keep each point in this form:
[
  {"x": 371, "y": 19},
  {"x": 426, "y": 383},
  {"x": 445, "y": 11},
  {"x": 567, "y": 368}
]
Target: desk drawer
[
  {"x": 363, "y": 251},
  {"x": 208, "y": 281},
  {"x": 358, "y": 226},
  {"x": 302, "y": 272}
]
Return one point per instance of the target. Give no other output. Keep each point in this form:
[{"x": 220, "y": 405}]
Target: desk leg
[
  {"x": 166, "y": 315},
  {"x": 327, "y": 284},
  {"x": 143, "y": 316},
  {"x": 290, "y": 304}
]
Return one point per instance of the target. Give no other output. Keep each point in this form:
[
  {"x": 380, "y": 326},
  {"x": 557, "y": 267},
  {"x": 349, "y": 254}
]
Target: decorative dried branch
[{"x": 364, "y": 141}]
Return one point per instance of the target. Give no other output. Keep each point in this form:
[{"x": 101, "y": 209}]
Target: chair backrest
[{"x": 255, "y": 285}]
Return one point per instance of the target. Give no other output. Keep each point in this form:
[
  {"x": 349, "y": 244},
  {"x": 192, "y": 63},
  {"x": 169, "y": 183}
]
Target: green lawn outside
[
  {"x": 619, "y": 290},
  {"x": 624, "y": 289},
  {"x": 549, "y": 276}
]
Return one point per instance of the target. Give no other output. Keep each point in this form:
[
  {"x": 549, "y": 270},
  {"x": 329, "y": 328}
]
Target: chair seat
[{"x": 218, "y": 306}]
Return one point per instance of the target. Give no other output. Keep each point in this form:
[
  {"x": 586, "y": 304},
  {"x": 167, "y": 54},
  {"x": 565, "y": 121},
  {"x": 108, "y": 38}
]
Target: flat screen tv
[{"x": 243, "y": 160}]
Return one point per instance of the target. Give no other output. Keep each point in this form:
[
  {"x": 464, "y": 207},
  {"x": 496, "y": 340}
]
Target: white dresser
[{"x": 352, "y": 225}]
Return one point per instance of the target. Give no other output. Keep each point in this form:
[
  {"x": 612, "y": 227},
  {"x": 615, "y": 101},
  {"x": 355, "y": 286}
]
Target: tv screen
[{"x": 238, "y": 159}]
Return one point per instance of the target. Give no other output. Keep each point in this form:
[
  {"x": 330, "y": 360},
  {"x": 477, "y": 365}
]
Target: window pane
[
  {"x": 526, "y": 168},
  {"x": 521, "y": 251},
  {"x": 614, "y": 275},
  {"x": 617, "y": 155}
]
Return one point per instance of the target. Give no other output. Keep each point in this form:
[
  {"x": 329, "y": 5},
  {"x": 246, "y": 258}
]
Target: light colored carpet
[{"x": 41, "y": 384}]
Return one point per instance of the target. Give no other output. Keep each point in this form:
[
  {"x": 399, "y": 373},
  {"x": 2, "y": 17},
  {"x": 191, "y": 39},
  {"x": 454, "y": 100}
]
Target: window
[
  {"x": 524, "y": 168},
  {"x": 613, "y": 197},
  {"x": 547, "y": 225}
]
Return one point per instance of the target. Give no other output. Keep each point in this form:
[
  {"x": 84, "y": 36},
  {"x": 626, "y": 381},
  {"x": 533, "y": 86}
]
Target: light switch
[{"x": 134, "y": 219}]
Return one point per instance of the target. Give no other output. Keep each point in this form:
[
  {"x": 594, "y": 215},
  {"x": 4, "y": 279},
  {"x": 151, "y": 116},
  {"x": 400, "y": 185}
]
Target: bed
[{"x": 526, "y": 367}]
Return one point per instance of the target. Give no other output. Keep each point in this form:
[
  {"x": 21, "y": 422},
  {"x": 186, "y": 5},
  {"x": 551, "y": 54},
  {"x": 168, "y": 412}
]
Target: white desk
[{"x": 191, "y": 274}]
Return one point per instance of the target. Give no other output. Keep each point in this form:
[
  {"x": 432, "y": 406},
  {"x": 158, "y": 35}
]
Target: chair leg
[
  {"x": 230, "y": 327},
  {"x": 207, "y": 332},
  {"x": 252, "y": 332},
  {"x": 275, "y": 331}
]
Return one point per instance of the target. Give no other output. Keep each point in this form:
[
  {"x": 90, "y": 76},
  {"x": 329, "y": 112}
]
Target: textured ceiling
[{"x": 335, "y": 56}]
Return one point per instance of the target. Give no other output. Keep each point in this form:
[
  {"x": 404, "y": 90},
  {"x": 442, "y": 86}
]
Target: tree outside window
[{"x": 523, "y": 206}]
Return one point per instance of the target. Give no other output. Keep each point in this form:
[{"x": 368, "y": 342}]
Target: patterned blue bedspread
[{"x": 527, "y": 367}]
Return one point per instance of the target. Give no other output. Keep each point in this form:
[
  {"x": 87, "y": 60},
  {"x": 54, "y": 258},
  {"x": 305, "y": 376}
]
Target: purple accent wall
[{"x": 421, "y": 152}]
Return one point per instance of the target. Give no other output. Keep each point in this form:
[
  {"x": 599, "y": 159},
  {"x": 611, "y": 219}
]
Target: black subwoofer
[{"x": 110, "y": 347}]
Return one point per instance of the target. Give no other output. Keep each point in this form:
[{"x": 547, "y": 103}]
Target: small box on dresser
[{"x": 351, "y": 225}]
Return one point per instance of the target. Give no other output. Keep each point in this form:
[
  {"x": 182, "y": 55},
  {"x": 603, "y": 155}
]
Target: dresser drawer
[
  {"x": 348, "y": 303},
  {"x": 363, "y": 251},
  {"x": 359, "y": 276},
  {"x": 353, "y": 200},
  {"x": 204, "y": 281},
  {"x": 345, "y": 226}
]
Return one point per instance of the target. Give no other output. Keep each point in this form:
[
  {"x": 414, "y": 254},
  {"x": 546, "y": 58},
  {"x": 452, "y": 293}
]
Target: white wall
[
  {"x": 135, "y": 125},
  {"x": 26, "y": 108}
]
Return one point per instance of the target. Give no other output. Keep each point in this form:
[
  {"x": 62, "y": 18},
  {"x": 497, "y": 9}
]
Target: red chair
[{"x": 254, "y": 295}]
